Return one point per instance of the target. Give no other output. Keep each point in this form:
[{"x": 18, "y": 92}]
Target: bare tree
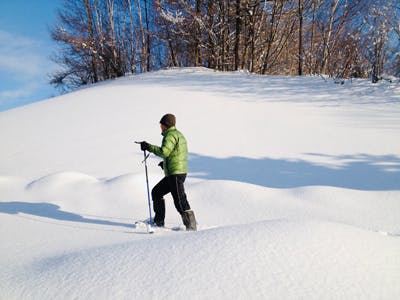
[
  {"x": 102, "y": 39},
  {"x": 381, "y": 23},
  {"x": 300, "y": 12}
]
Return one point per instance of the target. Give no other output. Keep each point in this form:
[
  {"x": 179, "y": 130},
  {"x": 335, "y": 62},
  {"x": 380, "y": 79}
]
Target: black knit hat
[{"x": 168, "y": 120}]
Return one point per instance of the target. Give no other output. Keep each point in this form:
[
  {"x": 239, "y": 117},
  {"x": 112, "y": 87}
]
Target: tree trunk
[
  {"x": 143, "y": 39},
  {"x": 237, "y": 34},
  {"x": 300, "y": 67},
  {"x": 92, "y": 40},
  {"x": 147, "y": 35},
  {"x": 132, "y": 44},
  {"x": 197, "y": 38},
  {"x": 326, "y": 55}
]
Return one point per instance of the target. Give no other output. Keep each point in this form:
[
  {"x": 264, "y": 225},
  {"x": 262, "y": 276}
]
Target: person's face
[{"x": 163, "y": 128}]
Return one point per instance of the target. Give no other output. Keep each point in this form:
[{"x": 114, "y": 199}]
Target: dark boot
[{"x": 189, "y": 220}]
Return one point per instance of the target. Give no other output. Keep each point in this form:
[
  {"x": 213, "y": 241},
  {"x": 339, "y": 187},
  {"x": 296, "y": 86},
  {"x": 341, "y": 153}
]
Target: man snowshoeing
[{"x": 174, "y": 152}]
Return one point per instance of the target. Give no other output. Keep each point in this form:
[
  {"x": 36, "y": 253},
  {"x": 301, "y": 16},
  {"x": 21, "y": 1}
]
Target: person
[{"x": 174, "y": 152}]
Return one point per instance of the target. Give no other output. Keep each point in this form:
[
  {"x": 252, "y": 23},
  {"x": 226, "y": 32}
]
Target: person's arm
[{"x": 168, "y": 144}]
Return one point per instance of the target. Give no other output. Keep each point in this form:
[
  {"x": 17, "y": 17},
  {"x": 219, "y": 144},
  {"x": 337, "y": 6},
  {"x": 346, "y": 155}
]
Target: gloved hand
[
  {"x": 144, "y": 146},
  {"x": 161, "y": 165}
]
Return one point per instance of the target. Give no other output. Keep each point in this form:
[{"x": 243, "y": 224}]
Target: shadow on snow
[
  {"x": 360, "y": 172},
  {"x": 52, "y": 211}
]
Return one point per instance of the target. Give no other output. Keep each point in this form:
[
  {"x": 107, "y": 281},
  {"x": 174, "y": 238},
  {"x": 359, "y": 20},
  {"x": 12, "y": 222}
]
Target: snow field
[
  {"x": 295, "y": 183},
  {"x": 276, "y": 258}
]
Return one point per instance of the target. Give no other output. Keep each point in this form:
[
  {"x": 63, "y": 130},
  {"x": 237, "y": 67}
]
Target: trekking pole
[{"x": 149, "y": 225}]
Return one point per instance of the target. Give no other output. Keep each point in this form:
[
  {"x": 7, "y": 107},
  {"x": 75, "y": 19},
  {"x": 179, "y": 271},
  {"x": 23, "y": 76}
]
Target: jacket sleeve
[{"x": 168, "y": 144}]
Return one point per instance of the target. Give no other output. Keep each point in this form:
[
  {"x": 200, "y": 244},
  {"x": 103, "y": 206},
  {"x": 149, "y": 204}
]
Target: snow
[{"x": 295, "y": 183}]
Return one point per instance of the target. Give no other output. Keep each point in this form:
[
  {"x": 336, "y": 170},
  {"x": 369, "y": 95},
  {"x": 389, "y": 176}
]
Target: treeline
[{"x": 103, "y": 39}]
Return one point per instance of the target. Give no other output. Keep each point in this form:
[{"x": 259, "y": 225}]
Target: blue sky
[{"x": 25, "y": 50}]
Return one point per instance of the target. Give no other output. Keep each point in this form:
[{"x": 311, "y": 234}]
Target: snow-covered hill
[{"x": 295, "y": 183}]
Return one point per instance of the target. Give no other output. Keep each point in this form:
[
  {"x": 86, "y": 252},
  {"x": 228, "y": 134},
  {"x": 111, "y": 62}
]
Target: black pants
[{"x": 170, "y": 184}]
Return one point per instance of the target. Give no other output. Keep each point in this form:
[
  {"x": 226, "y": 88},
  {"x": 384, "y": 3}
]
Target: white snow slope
[{"x": 295, "y": 183}]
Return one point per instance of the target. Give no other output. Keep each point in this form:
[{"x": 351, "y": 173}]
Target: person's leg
[
  {"x": 178, "y": 192},
  {"x": 157, "y": 194},
  {"x": 180, "y": 200}
]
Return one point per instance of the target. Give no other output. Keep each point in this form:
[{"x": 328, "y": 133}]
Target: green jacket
[{"x": 174, "y": 152}]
